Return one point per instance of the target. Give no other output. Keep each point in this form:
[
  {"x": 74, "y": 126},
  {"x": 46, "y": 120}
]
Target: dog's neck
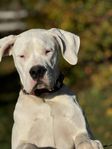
[{"x": 58, "y": 85}]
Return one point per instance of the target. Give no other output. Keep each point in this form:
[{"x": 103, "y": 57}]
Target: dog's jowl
[{"x": 47, "y": 114}]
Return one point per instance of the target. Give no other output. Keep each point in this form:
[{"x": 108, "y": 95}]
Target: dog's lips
[{"x": 41, "y": 87}]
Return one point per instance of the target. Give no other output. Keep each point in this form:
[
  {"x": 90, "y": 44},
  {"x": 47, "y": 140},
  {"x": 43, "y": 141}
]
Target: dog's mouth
[
  {"x": 41, "y": 87},
  {"x": 36, "y": 85}
]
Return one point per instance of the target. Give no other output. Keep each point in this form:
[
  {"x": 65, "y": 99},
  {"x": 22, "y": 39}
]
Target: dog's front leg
[
  {"x": 82, "y": 135},
  {"x": 82, "y": 141}
]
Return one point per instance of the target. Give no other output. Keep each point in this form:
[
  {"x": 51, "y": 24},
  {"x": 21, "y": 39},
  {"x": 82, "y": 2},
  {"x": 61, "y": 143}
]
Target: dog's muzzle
[{"x": 58, "y": 85}]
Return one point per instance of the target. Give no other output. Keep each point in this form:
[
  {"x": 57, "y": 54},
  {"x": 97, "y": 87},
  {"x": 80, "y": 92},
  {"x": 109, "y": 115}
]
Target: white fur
[{"x": 55, "y": 120}]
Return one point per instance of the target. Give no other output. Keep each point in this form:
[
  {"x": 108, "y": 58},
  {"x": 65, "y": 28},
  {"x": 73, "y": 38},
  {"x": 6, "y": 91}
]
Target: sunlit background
[{"x": 90, "y": 79}]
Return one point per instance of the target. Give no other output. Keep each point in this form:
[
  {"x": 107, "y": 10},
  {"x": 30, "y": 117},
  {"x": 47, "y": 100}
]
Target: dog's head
[{"x": 36, "y": 53}]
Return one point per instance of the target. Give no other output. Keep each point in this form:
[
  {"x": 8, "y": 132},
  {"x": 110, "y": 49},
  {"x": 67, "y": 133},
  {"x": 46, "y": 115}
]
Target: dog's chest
[{"x": 42, "y": 122}]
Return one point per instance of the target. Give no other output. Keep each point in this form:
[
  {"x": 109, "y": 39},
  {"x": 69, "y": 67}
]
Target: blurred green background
[{"x": 91, "y": 78}]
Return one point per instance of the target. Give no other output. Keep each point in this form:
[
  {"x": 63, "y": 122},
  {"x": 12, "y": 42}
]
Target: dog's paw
[
  {"x": 82, "y": 141},
  {"x": 84, "y": 145},
  {"x": 96, "y": 144},
  {"x": 90, "y": 144}
]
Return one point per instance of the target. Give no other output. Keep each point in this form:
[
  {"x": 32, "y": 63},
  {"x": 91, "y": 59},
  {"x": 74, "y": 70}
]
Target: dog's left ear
[
  {"x": 69, "y": 44},
  {"x": 6, "y": 45}
]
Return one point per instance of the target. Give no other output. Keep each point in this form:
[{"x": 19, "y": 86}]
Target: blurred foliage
[{"x": 91, "y": 79}]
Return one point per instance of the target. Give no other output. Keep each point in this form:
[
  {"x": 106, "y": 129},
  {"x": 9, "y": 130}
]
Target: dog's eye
[
  {"x": 48, "y": 51},
  {"x": 21, "y": 56}
]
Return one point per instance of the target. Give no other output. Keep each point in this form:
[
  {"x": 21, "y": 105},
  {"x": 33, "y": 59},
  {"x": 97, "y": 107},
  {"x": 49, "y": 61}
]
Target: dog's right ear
[
  {"x": 6, "y": 45},
  {"x": 69, "y": 44}
]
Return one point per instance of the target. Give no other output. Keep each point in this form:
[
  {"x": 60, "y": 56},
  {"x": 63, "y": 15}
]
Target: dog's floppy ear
[
  {"x": 69, "y": 44},
  {"x": 6, "y": 45}
]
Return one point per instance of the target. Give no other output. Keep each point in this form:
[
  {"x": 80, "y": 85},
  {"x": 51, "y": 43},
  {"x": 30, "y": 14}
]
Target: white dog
[{"x": 47, "y": 114}]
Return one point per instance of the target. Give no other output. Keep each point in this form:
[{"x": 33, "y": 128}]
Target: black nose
[{"x": 37, "y": 71}]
